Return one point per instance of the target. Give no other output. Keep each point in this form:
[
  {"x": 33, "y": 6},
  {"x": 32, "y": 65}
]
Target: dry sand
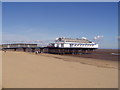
[
  {"x": 25, "y": 70},
  {"x": 0, "y": 70}
]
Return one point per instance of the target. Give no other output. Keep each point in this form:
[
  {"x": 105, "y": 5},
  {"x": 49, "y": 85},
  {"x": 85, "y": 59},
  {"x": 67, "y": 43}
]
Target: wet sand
[
  {"x": 27, "y": 70},
  {"x": 101, "y": 54}
]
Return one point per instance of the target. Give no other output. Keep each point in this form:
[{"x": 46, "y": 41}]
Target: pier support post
[
  {"x": 15, "y": 49},
  {"x": 24, "y": 49},
  {"x": 73, "y": 51},
  {"x": 33, "y": 49}
]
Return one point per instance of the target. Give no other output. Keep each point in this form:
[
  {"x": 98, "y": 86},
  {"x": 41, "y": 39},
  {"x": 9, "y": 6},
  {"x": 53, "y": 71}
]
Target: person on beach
[{"x": 36, "y": 52}]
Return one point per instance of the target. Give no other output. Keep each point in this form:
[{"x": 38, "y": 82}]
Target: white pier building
[{"x": 73, "y": 43}]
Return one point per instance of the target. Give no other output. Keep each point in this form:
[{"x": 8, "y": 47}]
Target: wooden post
[
  {"x": 68, "y": 51},
  {"x": 58, "y": 51},
  {"x": 15, "y": 49},
  {"x": 24, "y": 49},
  {"x": 73, "y": 52},
  {"x": 33, "y": 49}
]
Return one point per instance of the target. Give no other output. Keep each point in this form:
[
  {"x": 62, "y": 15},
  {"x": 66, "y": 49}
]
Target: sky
[
  {"x": 49, "y": 20},
  {"x": 60, "y": 0},
  {"x": 0, "y": 23}
]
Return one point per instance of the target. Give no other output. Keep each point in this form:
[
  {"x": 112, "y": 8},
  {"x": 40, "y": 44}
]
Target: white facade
[{"x": 65, "y": 44}]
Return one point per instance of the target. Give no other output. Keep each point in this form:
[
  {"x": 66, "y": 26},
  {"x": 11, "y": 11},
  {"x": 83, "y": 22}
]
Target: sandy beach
[
  {"x": 28, "y": 70},
  {"x": 0, "y": 70}
]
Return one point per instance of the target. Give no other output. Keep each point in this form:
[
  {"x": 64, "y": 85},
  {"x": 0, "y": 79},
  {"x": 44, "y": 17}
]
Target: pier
[
  {"x": 21, "y": 47},
  {"x": 68, "y": 50},
  {"x": 52, "y": 50},
  {"x": 60, "y": 46}
]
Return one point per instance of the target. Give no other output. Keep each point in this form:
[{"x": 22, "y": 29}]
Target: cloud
[
  {"x": 39, "y": 42},
  {"x": 13, "y": 37},
  {"x": 98, "y": 37}
]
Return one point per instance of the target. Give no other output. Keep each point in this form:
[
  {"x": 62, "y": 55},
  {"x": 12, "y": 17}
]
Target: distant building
[
  {"x": 18, "y": 45},
  {"x": 73, "y": 43}
]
